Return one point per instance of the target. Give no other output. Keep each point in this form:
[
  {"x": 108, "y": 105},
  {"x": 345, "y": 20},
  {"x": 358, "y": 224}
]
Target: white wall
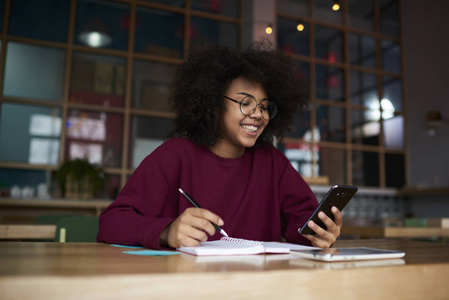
[{"x": 426, "y": 55}]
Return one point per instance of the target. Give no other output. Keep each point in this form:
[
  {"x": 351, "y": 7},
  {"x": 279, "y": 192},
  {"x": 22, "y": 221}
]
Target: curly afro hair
[{"x": 204, "y": 78}]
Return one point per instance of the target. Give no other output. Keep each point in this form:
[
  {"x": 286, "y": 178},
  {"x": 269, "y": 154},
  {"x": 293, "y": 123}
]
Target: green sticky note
[{"x": 124, "y": 246}]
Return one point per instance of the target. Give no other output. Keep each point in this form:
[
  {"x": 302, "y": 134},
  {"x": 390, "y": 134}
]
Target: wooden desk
[
  {"x": 394, "y": 232},
  {"x": 27, "y": 232},
  {"x": 99, "y": 271}
]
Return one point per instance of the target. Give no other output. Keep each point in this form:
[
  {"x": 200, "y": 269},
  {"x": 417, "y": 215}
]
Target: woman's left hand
[{"x": 325, "y": 238}]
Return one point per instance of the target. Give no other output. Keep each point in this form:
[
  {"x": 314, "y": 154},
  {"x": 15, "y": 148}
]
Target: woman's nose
[{"x": 257, "y": 112}]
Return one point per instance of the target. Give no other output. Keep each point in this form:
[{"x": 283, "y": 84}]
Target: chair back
[{"x": 77, "y": 229}]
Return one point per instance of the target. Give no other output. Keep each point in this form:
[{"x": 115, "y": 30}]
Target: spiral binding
[{"x": 241, "y": 241}]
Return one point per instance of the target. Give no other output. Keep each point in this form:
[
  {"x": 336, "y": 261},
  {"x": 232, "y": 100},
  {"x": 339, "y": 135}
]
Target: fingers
[
  {"x": 205, "y": 214},
  {"x": 316, "y": 241},
  {"x": 192, "y": 227},
  {"x": 325, "y": 238},
  {"x": 338, "y": 217}
]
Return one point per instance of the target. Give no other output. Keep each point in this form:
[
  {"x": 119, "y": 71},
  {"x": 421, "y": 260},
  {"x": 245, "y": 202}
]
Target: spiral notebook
[{"x": 234, "y": 246}]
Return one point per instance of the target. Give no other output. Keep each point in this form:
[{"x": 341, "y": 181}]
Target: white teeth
[{"x": 250, "y": 128}]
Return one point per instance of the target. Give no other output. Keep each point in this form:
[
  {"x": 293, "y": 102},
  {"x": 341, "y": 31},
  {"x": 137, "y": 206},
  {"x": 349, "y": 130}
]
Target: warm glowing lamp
[
  {"x": 300, "y": 27},
  {"x": 269, "y": 29},
  {"x": 336, "y": 6}
]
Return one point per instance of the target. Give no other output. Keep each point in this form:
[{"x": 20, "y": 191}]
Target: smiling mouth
[{"x": 250, "y": 128}]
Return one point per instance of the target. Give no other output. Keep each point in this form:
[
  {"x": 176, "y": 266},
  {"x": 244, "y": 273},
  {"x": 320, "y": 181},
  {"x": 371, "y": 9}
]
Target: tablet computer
[
  {"x": 349, "y": 264},
  {"x": 342, "y": 254}
]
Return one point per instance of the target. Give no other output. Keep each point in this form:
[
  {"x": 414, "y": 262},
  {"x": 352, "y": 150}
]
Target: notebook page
[
  {"x": 275, "y": 247},
  {"x": 236, "y": 246},
  {"x": 225, "y": 247}
]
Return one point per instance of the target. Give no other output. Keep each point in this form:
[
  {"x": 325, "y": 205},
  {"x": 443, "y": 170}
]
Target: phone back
[{"x": 338, "y": 196}]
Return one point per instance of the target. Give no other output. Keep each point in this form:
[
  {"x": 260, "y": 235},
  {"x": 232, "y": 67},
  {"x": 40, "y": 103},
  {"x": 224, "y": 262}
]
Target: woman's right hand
[{"x": 191, "y": 228}]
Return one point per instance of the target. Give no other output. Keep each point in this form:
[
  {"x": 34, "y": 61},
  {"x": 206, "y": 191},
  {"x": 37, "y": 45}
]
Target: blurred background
[{"x": 91, "y": 80}]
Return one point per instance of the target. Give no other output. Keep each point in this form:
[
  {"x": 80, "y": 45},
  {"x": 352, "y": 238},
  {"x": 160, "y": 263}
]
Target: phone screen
[{"x": 338, "y": 196}]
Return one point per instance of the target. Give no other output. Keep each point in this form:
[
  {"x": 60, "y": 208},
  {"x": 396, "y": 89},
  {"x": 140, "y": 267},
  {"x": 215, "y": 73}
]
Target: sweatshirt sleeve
[
  {"x": 297, "y": 204},
  {"x": 133, "y": 218}
]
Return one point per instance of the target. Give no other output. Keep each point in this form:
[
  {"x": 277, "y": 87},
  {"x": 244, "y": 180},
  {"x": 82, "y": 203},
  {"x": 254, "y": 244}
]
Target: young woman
[{"x": 230, "y": 106}]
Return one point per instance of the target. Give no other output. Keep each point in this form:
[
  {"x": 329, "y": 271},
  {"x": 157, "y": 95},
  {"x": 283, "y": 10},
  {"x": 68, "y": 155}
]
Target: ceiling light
[
  {"x": 95, "y": 34},
  {"x": 95, "y": 39}
]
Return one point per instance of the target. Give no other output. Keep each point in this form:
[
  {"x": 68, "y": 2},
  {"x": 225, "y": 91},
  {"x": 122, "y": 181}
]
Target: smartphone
[{"x": 338, "y": 196}]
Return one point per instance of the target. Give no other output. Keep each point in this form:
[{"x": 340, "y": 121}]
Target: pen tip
[
  {"x": 181, "y": 190},
  {"x": 224, "y": 233}
]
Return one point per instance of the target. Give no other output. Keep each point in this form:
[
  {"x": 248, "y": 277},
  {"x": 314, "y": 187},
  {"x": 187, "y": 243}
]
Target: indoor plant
[{"x": 79, "y": 179}]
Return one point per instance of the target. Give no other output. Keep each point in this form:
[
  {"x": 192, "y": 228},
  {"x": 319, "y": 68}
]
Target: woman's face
[{"x": 240, "y": 131}]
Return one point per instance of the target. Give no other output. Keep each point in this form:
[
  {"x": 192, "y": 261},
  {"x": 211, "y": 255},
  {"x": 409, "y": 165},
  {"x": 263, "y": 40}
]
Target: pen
[{"x": 197, "y": 205}]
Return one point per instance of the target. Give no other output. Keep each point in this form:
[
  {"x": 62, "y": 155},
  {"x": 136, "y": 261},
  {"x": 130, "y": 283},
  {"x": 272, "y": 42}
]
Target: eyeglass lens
[{"x": 248, "y": 106}]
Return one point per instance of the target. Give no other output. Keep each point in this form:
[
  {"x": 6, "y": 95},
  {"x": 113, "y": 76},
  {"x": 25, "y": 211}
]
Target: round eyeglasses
[{"x": 248, "y": 106}]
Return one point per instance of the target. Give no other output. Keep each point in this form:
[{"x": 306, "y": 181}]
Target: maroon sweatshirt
[{"x": 259, "y": 195}]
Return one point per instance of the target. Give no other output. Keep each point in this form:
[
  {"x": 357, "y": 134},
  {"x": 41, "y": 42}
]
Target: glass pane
[
  {"x": 95, "y": 136},
  {"x": 294, "y": 7},
  {"x": 391, "y": 56},
  {"x": 365, "y": 168},
  {"x": 292, "y": 41},
  {"x": 178, "y": 3},
  {"x": 147, "y": 134},
  {"x": 365, "y": 127},
  {"x": 329, "y": 44},
  {"x": 303, "y": 71},
  {"x": 301, "y": 157},
  {"x": 361, "y": 14},
  {"x": 332, "y": 164},
  {"x": 98, "y": 80},
  {"x": 391, "y": 95},
  {"x": 363, "y": 88},
  {"x": 331, "y": 123},
  {"x": 394, "y": 170},
  {"x": 329, "y": 83},
  {"x": 19, "y": 180},
  {"x": 300, "y": 128},
  {"x": 40, "y": 19},
  {"x": 394, "y": 132},
  {"x": 34, "y": 72},
  {"x": 166, "y": 40},
  {"x": 229, "y": 8},
  {"x": 101, "y": 24},
  {"x": 31, "y": 134},
  {"x": 389, "y": 17},
  {"x": 324, "y": 11},
  {"x": 111, "y": 189},
  {"x": 152, "y": 85},
  {"x": 362, "y": 50},
  {"x": 206, "y": 31}
]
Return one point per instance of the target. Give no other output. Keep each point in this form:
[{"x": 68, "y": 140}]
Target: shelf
[
  {"x": 33, "y": 207},
  {"x": 436, "y": 191}
]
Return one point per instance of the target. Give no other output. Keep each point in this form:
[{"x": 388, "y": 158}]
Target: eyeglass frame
[{"x": 260, "y": 105}]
